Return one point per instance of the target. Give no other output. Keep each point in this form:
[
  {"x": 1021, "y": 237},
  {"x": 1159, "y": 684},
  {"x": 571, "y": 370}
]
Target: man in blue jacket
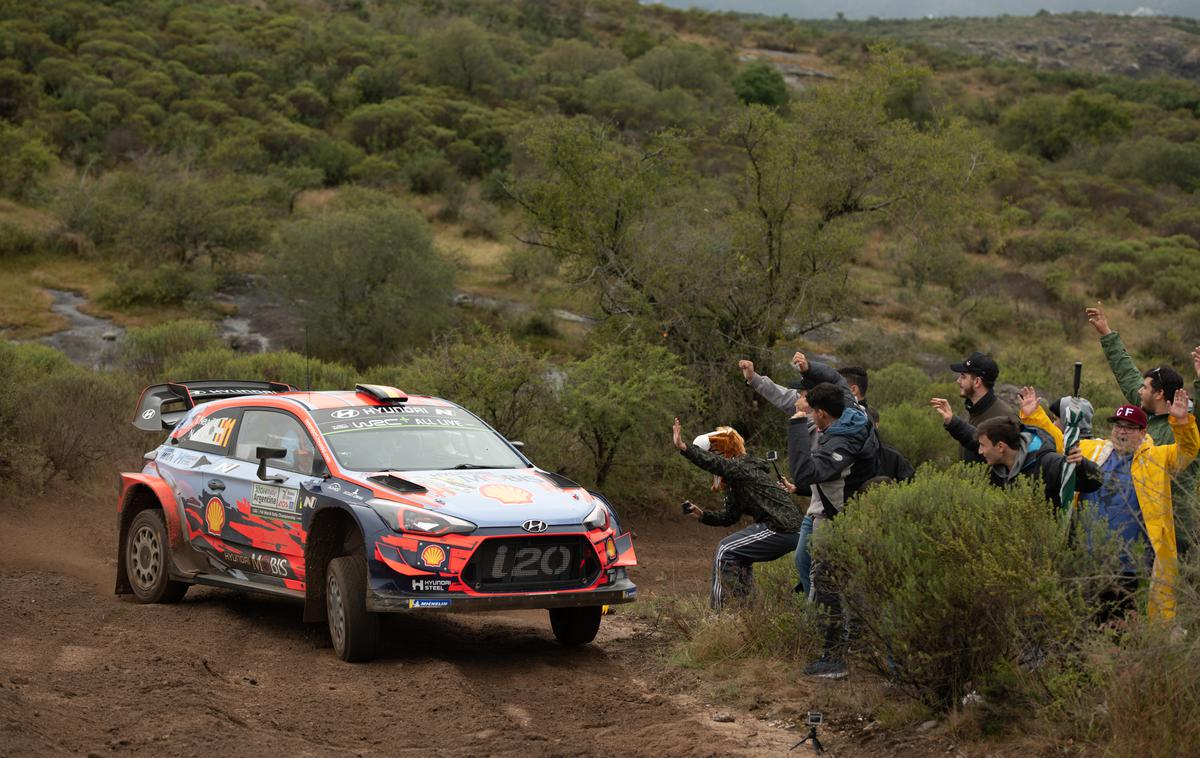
[{"x": 845, "y": 439}]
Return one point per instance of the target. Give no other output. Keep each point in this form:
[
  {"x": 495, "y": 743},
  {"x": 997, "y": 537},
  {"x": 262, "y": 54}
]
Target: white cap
[{"x": 702, "y": 442}]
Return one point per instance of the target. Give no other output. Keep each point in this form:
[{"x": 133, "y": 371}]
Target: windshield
[{"x": 413, "y": 438}]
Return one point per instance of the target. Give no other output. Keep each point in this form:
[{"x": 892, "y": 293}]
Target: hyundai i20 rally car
[{"x": 359, "y": 503}]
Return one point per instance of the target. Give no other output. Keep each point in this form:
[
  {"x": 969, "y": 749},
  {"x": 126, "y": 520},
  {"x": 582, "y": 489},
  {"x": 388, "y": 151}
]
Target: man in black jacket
[
  {"x": 1014, "y": 450},
  {"x": 750, "y": 490},
  {"x": 845, "y": 440},
  {"x": 977, "y": 376}
]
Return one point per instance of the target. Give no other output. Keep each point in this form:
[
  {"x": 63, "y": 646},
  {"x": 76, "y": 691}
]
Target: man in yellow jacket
[{"x": 1136, "y": 496}]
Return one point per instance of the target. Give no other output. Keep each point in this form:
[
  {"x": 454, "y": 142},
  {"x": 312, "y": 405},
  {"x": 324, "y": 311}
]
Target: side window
[
  {"x": 213, "y": 433},
  {"x": 276, "y": 429}
]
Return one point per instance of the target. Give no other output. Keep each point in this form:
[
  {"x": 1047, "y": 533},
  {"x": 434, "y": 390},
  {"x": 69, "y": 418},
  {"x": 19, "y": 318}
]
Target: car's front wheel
[
  {"x": 148, "y": 560},
  {"x": 353, "y": 629},
  {"x": 575, "y": 626}
]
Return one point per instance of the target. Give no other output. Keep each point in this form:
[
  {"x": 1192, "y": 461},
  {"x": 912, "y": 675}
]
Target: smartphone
[{"x": 687, "y": 507}]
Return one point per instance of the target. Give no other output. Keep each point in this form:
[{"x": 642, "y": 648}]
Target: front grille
[{"x": 531, "y": 564}]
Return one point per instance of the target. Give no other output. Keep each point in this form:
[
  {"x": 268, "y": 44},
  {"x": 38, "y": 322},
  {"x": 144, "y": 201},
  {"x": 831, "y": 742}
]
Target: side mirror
[
  {"x": 320, "y": 468},
  {"x": 264, "y": 454},
  {"x": 773, "y": 456}
]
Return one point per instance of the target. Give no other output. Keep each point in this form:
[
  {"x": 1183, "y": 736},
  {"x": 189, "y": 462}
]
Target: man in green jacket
[{"x": 1153, "y": 391}]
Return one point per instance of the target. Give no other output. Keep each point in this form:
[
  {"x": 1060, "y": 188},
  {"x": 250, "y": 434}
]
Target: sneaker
[{"x": 826, "y": 668}]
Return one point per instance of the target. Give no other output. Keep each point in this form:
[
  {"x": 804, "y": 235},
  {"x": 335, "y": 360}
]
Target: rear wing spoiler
[{"x": 161, "y": 406}]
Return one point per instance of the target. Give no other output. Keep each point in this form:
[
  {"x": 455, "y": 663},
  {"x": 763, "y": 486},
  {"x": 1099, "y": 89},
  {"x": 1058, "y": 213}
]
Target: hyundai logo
[
  {"x": 535, "y": 526},
  {"x": 346, "y": 413}
]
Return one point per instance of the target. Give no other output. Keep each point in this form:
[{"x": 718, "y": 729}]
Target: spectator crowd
[{"x": 1139, "y": 481}]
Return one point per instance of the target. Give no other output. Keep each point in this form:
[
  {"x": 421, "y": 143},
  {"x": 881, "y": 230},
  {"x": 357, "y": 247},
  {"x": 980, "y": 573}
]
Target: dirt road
[{"x": 83, "y": 672}]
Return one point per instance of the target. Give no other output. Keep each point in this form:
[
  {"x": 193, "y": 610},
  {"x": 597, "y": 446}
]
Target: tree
[
  {"x": 366, "y": 281},
  {"x": 462, "y": 57},
  {"x": 618, "y": 401},
  {"x": 24, "y": 162},
  {"x": 759, "y": 83},
  {"x": 726, "y": 268}
]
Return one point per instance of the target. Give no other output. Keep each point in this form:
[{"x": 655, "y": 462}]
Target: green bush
[
  {"x": 16, "y": 240},
  {"x": 1113, "y": 280},
  {"x": 60, "y": 419},
  {"x": 1176, "y": 286},
  {"x": 916, "y": 430},
  {"x": 277, "y": 366},
  {"x": 1043, "y": 247},
  {"x": 167, "y": 284},
  {"x": 148, "y": 349},
  {"x": 1155, "y": 160},
  {"x": 898, "y": 383},
  {"x": 953, "y": 581},
  {"x": 761, "y": 83}
]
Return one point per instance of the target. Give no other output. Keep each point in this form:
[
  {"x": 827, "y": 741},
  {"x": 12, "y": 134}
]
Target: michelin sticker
[{"x": 428, "y": 603}]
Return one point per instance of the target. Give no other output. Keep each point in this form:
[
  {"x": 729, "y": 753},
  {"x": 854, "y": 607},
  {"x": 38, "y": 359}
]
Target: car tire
[
  {"x": 353, "y": 629},
  {"x": 148, "y": 560},
  {"x": 575, "y": 626}
]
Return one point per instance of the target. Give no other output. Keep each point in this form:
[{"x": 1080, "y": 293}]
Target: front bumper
[{"x": 622, "y": 591}]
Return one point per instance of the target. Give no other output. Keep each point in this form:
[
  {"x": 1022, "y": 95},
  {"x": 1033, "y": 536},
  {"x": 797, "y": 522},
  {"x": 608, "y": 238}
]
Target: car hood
[{"x": 498, "y": 497}]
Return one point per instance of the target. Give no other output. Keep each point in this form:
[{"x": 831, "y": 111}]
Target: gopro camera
[
  {"x": 773, "y": 455},
  {"x": 815, "y": 718},
  {"x": 687, "y": 507}
]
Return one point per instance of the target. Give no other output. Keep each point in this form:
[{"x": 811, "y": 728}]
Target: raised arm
[{"x": 1125, "y": 371}]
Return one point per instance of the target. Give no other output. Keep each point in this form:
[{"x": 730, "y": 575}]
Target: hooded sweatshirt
[
  {"x": 843, "y": 459},
  {"x": 1037, "y": 458}
]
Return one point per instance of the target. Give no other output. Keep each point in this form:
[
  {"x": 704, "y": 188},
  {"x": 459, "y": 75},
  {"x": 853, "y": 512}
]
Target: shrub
[
  {"x": 916, "y": 430},
  {"x": 57, "y": 418},
  {"x": 896, "y": 384},
  {"x": 149, "y": 348},
  {"x": 277, "y": 366},
  {"x": 1113, "y": 280},
  {"x": 761, "y": 83},
  {"x": 1176, "y": 286},
  {"x": 1043, "y": 246},
  {"x": 1155, "y": 160},
  {"x": 16, "y": 240},
  {"x": 167, "y": 284},
  {"x": 953, "y": 581}
]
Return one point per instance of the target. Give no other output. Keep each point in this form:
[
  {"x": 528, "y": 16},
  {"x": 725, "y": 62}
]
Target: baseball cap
[
  {"x": 978, "y": 364},
  {"x": 1130, "y": 414}
]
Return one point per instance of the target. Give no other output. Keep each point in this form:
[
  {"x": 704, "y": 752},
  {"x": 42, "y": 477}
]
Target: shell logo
[
  {"x": 610, "y": 550},
  {"x": 433, "y": 555},
  {"x": 214, "y": 515},
  {"x": 506, "y": 493}
]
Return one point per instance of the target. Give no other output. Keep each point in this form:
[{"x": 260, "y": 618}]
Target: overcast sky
[{"x": 861, "y": 9}]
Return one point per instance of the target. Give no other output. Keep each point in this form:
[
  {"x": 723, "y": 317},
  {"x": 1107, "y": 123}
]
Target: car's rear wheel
[
  {"x": 575, "y": 626},
  {"x": 148, "y": 560},
  {"x": 353, "y": 629}
]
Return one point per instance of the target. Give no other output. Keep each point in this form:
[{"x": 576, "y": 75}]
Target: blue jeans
[{"x": 803, "y": 557}]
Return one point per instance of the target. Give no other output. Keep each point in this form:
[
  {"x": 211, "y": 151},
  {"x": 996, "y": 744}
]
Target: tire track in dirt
[{"x": 83, "y": 672}]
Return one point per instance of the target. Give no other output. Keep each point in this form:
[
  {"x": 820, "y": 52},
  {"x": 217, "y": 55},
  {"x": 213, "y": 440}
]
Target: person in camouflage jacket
[{"x": 750, "y": 490}]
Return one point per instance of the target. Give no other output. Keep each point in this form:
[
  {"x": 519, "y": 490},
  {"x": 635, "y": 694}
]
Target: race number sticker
[
  {"x": 216, "y": 432},
  {"x": 275, "y": 502}
]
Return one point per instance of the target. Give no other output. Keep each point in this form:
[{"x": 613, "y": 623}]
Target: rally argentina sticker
[{"x": 275, "y": 502}]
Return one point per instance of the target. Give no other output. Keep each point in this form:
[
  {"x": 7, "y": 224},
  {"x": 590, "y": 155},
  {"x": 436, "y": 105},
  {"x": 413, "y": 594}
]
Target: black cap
[{"x": 978, "y": 364}]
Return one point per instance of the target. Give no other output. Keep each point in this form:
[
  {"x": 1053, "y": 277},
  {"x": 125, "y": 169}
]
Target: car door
[
  {"x": 268, "y": 534},
  {"x": 200, "y": 450}
]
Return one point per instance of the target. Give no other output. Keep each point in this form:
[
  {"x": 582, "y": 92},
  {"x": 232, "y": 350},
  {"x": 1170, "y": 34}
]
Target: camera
[
  {"x": 687, "y": 507},
  {"x": 815, "y": 718}
]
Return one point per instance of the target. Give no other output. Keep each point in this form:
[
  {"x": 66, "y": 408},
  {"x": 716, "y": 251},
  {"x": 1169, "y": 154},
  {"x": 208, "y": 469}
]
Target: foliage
[
  {"x": 618, "y": 403},
  {"x": 59, "y": 419},
  {"x": 148, "y": 349},
  {"x": 1050, "y": 127},
  {"x": 24, "y": 162},
  {"x": 1155, "y": 160},
  {"x": 761, "y": 84},
  {"x": 164, "y": 284},
  {"x": 462, "y": 57},
  {"x": 916, "y": 430},
  {"x": 954, "y": 581},
  {"x": 279, "y": 366},
  {"x": 506, "y": 384},
  {"x": 366, "y": 281}
]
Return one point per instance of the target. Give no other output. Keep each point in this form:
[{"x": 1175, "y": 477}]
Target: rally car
[{"x": 360, "y": 503}]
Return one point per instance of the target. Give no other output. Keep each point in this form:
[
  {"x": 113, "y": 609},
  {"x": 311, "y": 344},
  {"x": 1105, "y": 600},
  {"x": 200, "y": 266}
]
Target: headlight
[
  {"x": 598, "y": 518},
  {"x": 406, "y": 518}
]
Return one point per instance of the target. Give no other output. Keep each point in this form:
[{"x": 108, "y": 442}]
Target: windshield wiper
[{"x": 478, "y": 465}]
